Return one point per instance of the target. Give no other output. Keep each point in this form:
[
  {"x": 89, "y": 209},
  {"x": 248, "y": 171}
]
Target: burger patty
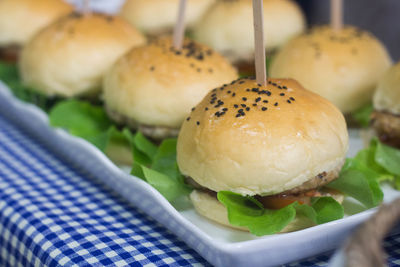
[
  {"x": 153, "y": 132},
  {"x": 387, "y": 127},
  {"x": 10, "y": 53},
  {"x": 316, "y": 182}
]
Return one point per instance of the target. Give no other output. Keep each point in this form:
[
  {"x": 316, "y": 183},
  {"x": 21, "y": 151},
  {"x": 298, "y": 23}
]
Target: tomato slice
[{"x": 282, "y": 200}]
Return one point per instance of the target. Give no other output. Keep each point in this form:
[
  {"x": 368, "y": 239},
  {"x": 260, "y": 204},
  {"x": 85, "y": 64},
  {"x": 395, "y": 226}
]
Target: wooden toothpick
[
  {"x": 86, "y": 7},
  {"x": 179, "y": 29},
  {"x": 261, "y": 68},
  {"x": 337, "y": 14}
]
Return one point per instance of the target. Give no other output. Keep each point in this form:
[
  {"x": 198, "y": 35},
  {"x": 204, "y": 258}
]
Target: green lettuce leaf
[
  {"x": 169, "y": 187},
  {"x": 388, "y": 158},
  {"x": 363, "y": 115},
  {"x": 158, "y": 167},
  {"x": 8, "y": 72},
  {"x": 360, "y": 182},
  {"x": 246, "y": 211},
  {"x": 9, "y": 75},
  {"x": 84, "y": 120}
]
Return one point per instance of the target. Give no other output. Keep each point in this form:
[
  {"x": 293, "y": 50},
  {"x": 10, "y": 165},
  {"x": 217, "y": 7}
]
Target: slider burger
[
  {"x": 228, "y": 28},
  {"x": 343, "y": 66},
  {"x": 153, "y": 87},
  {"x": 279, "y": 143},
  {"x": 21, "y": 19},
  {"x": 156, "y": 17},
  {"x": 386, "y": 101},
  {"x": 69, "y": 57}
]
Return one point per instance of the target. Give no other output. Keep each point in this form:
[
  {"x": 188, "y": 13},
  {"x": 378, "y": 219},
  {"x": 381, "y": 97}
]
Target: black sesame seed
[
  {"x": 248, "y": 90},
  {"x": 244, "y": 98},
  {"x": 282, "y": 94},
  {"x": 225, "y": 109},
  {"x": 236, "y": 106},
  {"x": 274, "y": 84},
  {"x": 276, "y": 104},
  {"x": 263, "y": 108},
  {"x": 233, "y": 94},
  {"x": 206, "y": 108},
  {"x": 284, "y": 87},
  {"x": 238, "y": 115},
  {"x": 247, "y": 109},
  {"x": 254, "y": 105},
  {"x": 288, "y": 101},
  {"x": 188, "y": 118},
  {"x": 229, "y": 92},
  {"x": 240, "y": 110},
  {"x": 178, "y": 52},
  {"x": 198, "y": 123},
  {"x": 265, "y": 101},
  {"x": 243, "y": 105},
  {"x": 241, "y": 82},
  {"x": 193, "y": 109},
  {"x": 258, "y": 99},
  {"x": 259, "y": 84}
]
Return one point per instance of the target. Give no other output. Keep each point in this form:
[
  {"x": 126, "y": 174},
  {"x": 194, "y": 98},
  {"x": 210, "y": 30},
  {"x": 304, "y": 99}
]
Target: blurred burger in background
[
  {"x": 228, "y": 28},
  {"x": 153, "y": 87},
  {"x": 157, "y": 17},
  {"x": 69, "y": 57},
  {"x": 21, "y": 19},
  {"x": 386, "y": 101},
  {"x": 343, "y": 65}
]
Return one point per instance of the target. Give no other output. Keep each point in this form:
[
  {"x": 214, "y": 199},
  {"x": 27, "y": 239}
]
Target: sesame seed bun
[
  {"x": 209, "y": 207},
  {"x": 21, "y": 19},
  {"x": 344, "y": 66},
  {"x": 261, "y": 140},
  {"x": 156, "y": 85},
  {"x": 387, "y": 94},
  {"x": 70, "y": 57},
  {"x": 228, "y": 26},
  {"x": 159, "y": 16}
]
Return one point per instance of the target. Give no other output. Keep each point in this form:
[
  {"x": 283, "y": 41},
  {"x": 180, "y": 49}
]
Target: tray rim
[{"x": 234, "y": 248}]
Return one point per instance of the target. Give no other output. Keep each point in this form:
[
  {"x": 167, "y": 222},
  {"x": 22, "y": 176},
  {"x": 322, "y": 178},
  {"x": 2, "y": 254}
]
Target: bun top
[
  {"x": 387, "y": 94},
  {"x": 228, "y": 26},
  {"x": 21, "y": 19},
  {"x": 157, "y": 85},
  {"x": 70, "y": 57},
  {"x": 261, "y": 140},
  {"x": 342, "y": 66},
  {"x": 158, "y": 16}
]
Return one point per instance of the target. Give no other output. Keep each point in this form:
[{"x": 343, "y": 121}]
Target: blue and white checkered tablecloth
[{"x": 54, "y": 214}]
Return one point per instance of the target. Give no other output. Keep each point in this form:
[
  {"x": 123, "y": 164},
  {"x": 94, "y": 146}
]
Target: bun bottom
[{"x": 209, "y": 207}]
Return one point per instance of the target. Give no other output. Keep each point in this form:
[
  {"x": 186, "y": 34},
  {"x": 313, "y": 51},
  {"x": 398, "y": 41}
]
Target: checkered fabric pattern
[{"x": 53, "y": 214}]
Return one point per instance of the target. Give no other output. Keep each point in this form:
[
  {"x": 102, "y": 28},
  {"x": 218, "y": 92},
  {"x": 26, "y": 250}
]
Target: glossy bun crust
[
  {"x": 70, "y": 57},
  {"x": 21, "y": 19},
  {"x": 344, "y": 66},
  {"x": 158, "y": 16},
  {"x": 261, "y": 140},
  {"x": 157, "y": 85},
  {"x": 228, "y": 26},
  {"x": 387, "y": 94}
]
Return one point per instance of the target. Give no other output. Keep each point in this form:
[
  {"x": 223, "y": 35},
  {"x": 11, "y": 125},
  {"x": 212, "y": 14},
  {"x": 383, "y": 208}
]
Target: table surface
[{"x": 52, "y": 214}]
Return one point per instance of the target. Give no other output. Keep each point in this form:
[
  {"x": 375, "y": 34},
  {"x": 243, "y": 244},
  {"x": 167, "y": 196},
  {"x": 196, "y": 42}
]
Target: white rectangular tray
[{"x": 219, "y": 245}]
